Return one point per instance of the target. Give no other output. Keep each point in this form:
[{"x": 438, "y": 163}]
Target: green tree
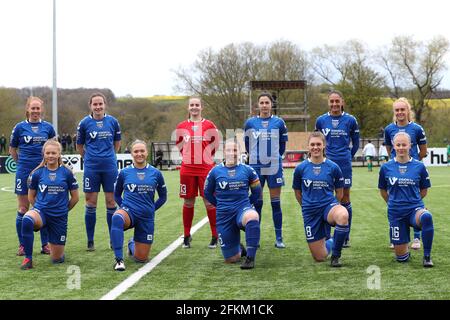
[{"x": 347, "y": 67}]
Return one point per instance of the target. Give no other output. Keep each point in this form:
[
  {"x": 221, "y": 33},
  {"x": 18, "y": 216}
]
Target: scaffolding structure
[{"x": 289, "y": 111}]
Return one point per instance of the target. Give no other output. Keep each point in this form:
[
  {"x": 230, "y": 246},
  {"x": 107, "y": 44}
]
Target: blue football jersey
[
  {"x": 414, "y": 130},
  {"x": 317, "y": 183},
  {"x": 403, "y": 182},
  {"x": 52, "y": 189},
  {"x": 29, "y": 137},
  {"x": 339, "y": 132},
  {"x": 138, "y": 187},
  {"x": 230, "y": 186},
  {"x": 263, "y": 137},
  {"x": 98, "y": 137}
]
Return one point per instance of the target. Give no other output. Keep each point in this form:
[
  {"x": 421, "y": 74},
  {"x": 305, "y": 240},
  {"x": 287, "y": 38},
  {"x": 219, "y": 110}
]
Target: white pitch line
[
  {"x": 7, "y": 189},
  {"x": 149, "y": 266}
]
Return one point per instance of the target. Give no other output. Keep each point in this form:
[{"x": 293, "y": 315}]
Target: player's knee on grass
[
  {"x": 57, "y": 253},
  {"x": 318, "y": 250},
  {"x": 233, "y": 259},
  {"x": 401, "y": 250},
  {"x": 142, "y": 252},
  {"x": 319, "y": 257}
]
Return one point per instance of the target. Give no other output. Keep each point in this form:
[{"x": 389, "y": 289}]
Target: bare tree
[
  {"x": 332, "y": 63},
  {"x": 286, "y": 61},
  {"x": 417, "y": 67},
  {"x": 220, "y": 78}
]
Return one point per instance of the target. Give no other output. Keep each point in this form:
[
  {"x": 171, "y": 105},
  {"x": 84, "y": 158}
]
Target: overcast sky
[{"x": 132, "y": 46}]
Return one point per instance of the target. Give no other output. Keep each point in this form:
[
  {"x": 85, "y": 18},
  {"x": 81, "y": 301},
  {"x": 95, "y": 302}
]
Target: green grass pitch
[{"x": 199, "y": 273}]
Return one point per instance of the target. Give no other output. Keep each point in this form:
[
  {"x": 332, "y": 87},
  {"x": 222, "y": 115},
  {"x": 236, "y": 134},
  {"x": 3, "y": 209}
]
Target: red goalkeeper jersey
[{"x": 197, "y": 142}]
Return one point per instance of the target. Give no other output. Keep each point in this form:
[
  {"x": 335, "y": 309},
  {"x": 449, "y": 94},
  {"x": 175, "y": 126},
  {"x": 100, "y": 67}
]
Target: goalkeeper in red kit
[{"x": 197, "y": 139}]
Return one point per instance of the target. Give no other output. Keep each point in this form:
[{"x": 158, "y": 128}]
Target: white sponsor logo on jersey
[
  {"x": 393, "y": 180},
  {"x": 256, "y": 134},
  {"x": 42, "y": 187},
  {"x": 307, "y": 183},
  {"x": 223, "y": 184},
  {"x": 27, "y": 139},
  {"x": 131, "y": 187},
  {"x": 325, "y": 131},
  {"x": 93, "y": 134}
]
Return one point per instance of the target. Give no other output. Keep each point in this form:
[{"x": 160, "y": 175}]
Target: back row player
[
  {"x": 98, "y": 140},
  {"x": 197, "y": 139},
  {"x": 340, "y": 128},
  {"x": 265, "y": 142},
  {"x": 27, "y": 139},
  {"x": 404, "y": 122}
]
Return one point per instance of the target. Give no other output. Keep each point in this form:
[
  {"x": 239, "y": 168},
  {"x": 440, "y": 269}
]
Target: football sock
[
  {"x": 117, "y": 235},
  {"x": 340, "y": 234},
  {"x": 348, "y": 206},
  {"x": 403, "y": 258},
  {"x": 44, "y": 235},
  {"x": 329, "y": 245},
  {"x": 188, "y": 216},
  {"x": 258, "y": 207},
  {"x": 427, "y": 232},
  {"x": 416, "y": 233},
  {"x": 211, "y": 211},
  {"x": 109, "y": 215},
  {"x": 28, "y": 235},
  {"x": 252, "y": 235},
  {"x": 131, "y": 246},
  {"x": 277, "y": 217},
  {"x": 19, "y": 219},
  {"x": 90, "y": 219}
]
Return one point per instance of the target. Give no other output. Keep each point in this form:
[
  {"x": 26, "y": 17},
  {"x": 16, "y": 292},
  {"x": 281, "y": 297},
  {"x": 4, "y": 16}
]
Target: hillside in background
[{"x": 154, "y": 118}]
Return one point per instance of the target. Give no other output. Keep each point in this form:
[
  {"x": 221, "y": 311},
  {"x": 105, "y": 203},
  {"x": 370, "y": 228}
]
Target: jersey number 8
[{"x": 308, "y": 232}]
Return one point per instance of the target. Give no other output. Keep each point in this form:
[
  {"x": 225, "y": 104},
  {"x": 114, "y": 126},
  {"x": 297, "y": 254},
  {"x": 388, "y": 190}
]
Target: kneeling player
[
  {"x": 49, "y": 187},
  {"x": 227, "y": 187},
  {"x": 403, "y": 183},
  {"x": 315, "y": 182},
  {"x": 138, "y": 184}
]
